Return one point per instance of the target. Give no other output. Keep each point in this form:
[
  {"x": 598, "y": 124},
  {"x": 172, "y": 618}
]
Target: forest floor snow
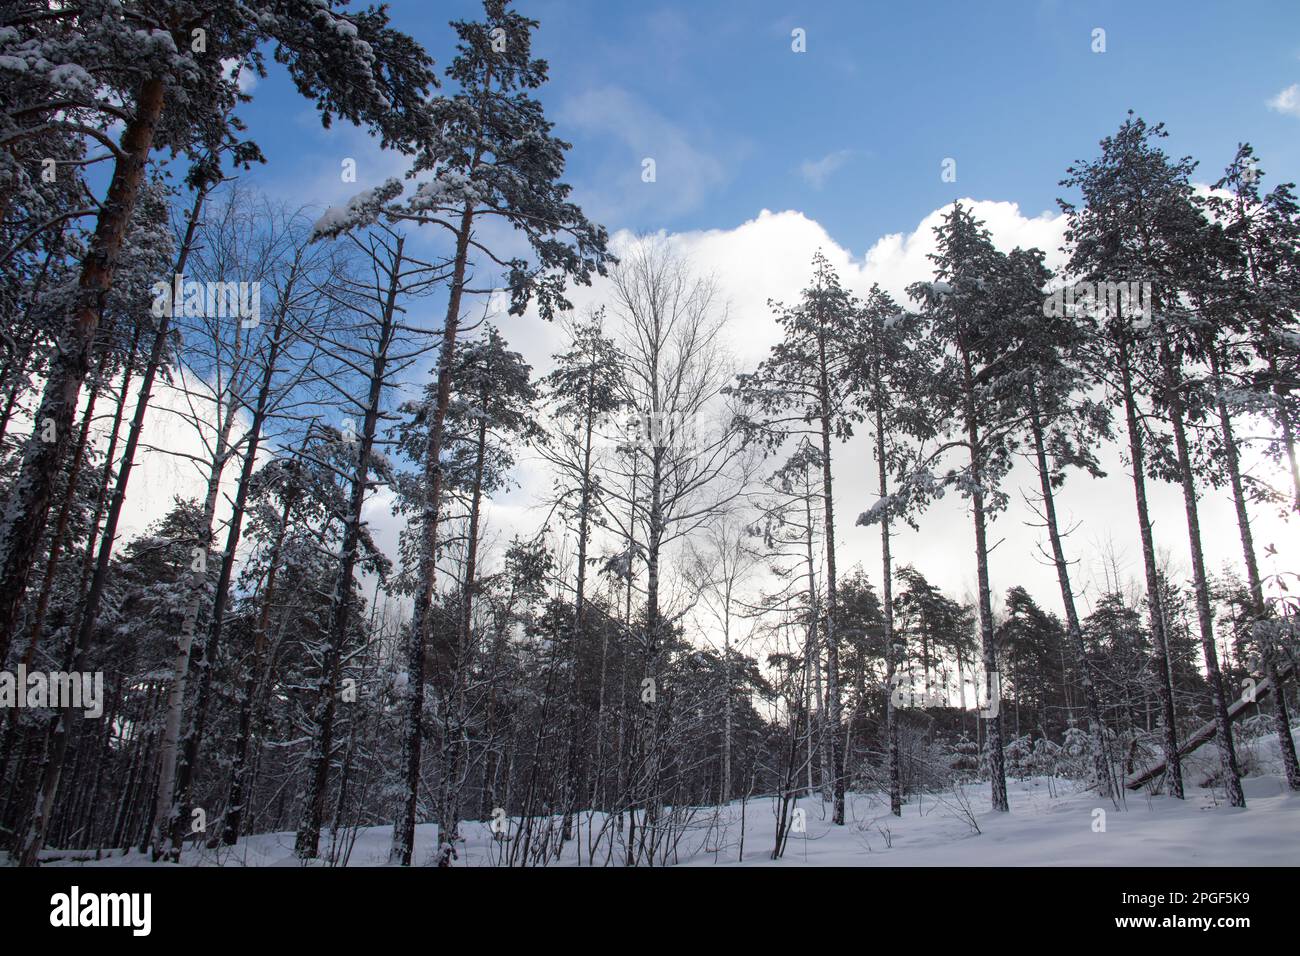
[{"x": 1051, "y": 822}]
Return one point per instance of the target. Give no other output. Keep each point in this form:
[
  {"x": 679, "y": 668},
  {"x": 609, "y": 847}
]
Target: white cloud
[
  {"x": 768, "y": 257},
  {"x": 1288, "y": 101},
  {"x": 170, "y": 461},
  {"x": 816, "y": 172}
]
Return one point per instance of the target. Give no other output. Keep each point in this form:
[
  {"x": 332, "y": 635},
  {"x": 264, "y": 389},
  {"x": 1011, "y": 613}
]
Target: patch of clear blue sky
[{"x": 1011, "y": 90}]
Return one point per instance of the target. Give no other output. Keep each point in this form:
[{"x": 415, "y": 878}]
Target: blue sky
[
  {"x": 844, "y": 144},
  {"x": 853, "y": 131}
]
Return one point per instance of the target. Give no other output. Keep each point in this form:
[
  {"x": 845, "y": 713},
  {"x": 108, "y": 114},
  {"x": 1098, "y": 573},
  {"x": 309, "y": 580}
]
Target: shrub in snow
[
  {"x": 966, "y": 760},
  {"x": 1019, "y": 756},
  {"x": 1074, "y": 756}
]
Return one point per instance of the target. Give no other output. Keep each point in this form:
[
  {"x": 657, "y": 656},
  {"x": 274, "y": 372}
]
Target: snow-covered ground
[{"x": 1051, "y": 822}]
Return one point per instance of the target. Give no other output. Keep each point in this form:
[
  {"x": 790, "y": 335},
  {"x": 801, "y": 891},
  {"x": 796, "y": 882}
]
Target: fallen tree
[{"x": 1206, "y": 732}]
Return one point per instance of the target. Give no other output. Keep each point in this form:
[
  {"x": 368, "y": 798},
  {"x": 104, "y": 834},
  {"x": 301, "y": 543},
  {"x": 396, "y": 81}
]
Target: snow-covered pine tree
[
  {"x": 163, "y": 71},
  {"x": 1029, "y": 647},
  {"x": 1141, "y": 225},
  {"x": 892, "y": 363},
  {"x": 807, "y": 388},
  {"x": 1249, "y": 343},
  {"x": 1064, "y": 425},
  {"x": 493, "y": 159},
  {"x": 488, "y": 416},
  {"x": 583, "y": 394},
  {"x": 977, "y": 398}
]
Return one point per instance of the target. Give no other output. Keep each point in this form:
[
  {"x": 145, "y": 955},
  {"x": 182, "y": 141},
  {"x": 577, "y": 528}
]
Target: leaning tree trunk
[
  {"x": 101, "y": 493},
  {"x": 37, "y": 621},
  {"x": 27, "y": 510},
  {"x": 28, "y": 504},
  {"x": 1096, "y": 730},
  {"x": 87, "y": 614}
]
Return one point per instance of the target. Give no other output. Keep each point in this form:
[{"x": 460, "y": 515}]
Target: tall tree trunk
[
  {"x": 1201, "y": 586},
  {"x": 1288, "y": 436},
  {"x": 726, "y": 698},
  {"x": 88, "y": 609},
  {"x": 643, "y": 792},
  {"x": 448, "y": 811},
  {"x": 167, "y": 812},
  {"x": 207, "y": 655},
  {"x": 249, "y": 688},
  {"x": 1165, "y": 687},
  {"x": 812, "y": 658},
  {"x": 993, "y": 690},
  {"x": 1277, "y": 383},
  {"x": 307, "y": 841},
  {"x": 832, "y": 608},
  {"x": 1259, "y": 608},
  {"x": 580, "y": 588},
  {"x": 887, "y": 610},
  {"x": 404, "y": 824},
  {"x": 622, "y": 766},
  {"x": 997, "y": 768},
  {"x": 57, "y": 739},
  {"x": 579, "y": 600}
]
